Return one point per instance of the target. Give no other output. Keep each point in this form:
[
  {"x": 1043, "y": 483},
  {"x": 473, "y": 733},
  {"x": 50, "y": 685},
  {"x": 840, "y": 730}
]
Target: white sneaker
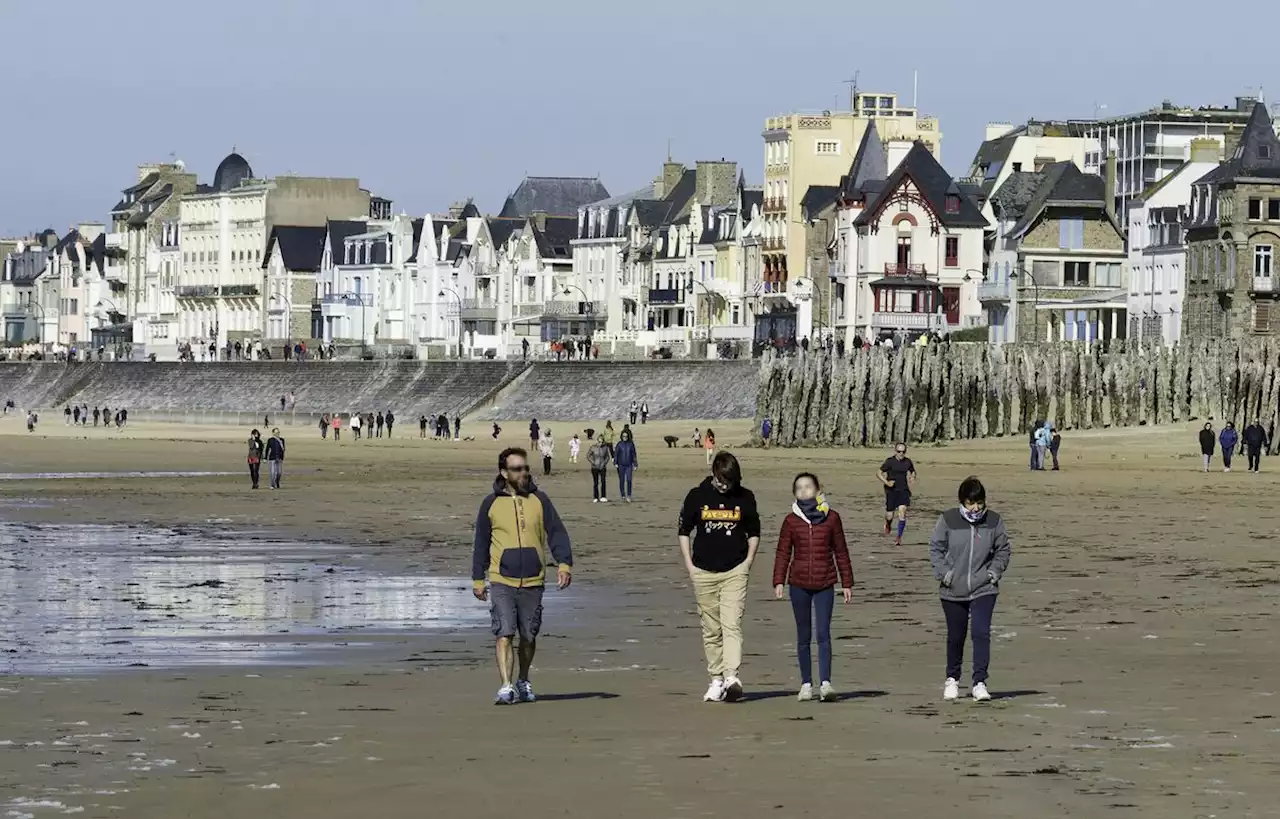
[
  {"x": 715, "y": 692},
  {"x": 604, "y": 500},
  {"x": 525, "y": 691},
  {"x": 806, "y": 693},
  {"x": 732, "y": 689},
  {"x": 980, "y": 692},
  {"x": 628, "y": 499},
  {"x": 1226, "y": 469},
  {"x": 595, "y": 500},
  {"x": 827, "y": 691},
  {"x": 506, "y": 696},
  {"x": 951, "y": 689}
]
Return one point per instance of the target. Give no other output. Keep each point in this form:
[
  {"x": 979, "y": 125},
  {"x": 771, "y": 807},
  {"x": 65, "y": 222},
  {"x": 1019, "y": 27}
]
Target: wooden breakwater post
[{"x": 941, "y": 392}]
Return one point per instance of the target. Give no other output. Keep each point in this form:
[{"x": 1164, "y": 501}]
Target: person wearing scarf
[
  {"x": 969, "y": 551},
  {"x": 812, "y": 556}
]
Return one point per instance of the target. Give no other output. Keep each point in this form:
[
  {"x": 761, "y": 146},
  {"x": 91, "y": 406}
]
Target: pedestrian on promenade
[
  {"x": 598, "y": 459},
  {"x": 1228, "y": 438},
  {"x": 898, "y": 474},
  {"x": 1255, "y": 439},
  {"x": 812, "y": 556},
  {"x": 275, "y": 458},
  {"x": 627, "y": 460},
  {"x": 1207, "y": 443},
  {"x": 970, "y": 553},
  {"x": 255, "y": 456},
  {"x": 719, "y": 532},
  {"x": 516, "y": 526}
]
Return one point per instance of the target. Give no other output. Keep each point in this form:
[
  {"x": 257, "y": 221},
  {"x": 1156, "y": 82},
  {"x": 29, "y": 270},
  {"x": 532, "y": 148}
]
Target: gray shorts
[{"x": 515, "y": 610}]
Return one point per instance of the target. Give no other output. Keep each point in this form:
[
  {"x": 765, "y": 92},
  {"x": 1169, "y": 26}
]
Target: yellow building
[{"x": 806, "y": 149}]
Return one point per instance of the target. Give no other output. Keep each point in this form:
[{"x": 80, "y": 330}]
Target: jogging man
[
  {"x": 516, "y": 526},
  {"x": 898, "y": 475}
]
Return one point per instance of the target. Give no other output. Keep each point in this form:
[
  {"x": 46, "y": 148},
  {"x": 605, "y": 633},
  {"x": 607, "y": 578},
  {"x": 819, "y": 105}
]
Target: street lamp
[
  {"x": 459, "y": 298},
  {"x": 288, "y": 310},
  {"x": 359, "y": 300},
  {"x": 39, "y": 339}
]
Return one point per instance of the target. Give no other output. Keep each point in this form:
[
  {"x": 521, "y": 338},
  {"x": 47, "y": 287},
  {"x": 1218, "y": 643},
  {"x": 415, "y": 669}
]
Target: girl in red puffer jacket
[{"x": 812, "y": 555}]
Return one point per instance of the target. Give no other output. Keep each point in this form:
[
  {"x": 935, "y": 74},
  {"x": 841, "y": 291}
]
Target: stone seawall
[
  {"x": 943, "y": 392},
  {"x": 685, "y": 390}
]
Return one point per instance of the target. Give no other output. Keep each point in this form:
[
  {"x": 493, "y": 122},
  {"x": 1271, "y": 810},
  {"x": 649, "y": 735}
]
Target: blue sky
[{"x": 431, "y": 102}]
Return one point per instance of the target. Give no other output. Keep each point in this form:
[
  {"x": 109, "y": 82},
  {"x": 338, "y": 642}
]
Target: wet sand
[{"x": 1134, "y": 664}]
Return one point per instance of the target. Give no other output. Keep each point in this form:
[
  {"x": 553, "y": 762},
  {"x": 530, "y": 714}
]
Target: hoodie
[
  {"x": 721, "y": 524},
  {"x": 514, "y": 532}
]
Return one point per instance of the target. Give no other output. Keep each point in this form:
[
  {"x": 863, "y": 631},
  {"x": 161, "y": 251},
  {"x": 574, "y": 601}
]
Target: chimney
[
  {"x": 1109, "y": 183},
  {"x": 539, "y": 218},
  {"x": 895, "y": 151},
  {"x": 1231, "y": 141},
  {"x": 455, "y": 210},
  {"x": 1206, "y": 150},
  {"x": 717, "y": 182},
  {"x": 664, "y": 184}
]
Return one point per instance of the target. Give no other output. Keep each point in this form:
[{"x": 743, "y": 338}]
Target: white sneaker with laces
[
  {"x": 732, "y": 689},
  {"x": 715, "y": 692},
  {"x": 506, "y": 696},
  {"x": 827, "y": 691},
  {"x": 951, "y": 689},
  {"x": 604, "y": 500},
  {"x": 980, "y": 692},
  {"x": 525, "y": 691},
  {"x": 806, "y": 693}
]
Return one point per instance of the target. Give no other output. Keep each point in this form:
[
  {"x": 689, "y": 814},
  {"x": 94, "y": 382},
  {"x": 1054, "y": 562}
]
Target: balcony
[
  {"x": 240, "y": 290},
  {"x": 482, "y": 309},
  {"x": 574, "y": 308},
  {"x": 347, "y": 299},
  {"x": 908, "y": 321},
  {"x": 917, "y": 271},
  {"x": 996, "y": 291},
  {"x": 198, "y": 291},
  {"x": 1264, "y": 284},
  {"x": 670, "y": 295}
]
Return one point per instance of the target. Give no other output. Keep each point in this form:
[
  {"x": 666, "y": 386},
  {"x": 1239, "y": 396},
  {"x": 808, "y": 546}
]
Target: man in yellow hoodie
[{"x": 516, "y": 526}]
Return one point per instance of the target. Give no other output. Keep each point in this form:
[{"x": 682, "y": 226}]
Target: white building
[
  {"x": 908, "y": 249},
  {"x": 1158, "y": 248},
  {"x": 24, "y": 315},
  {"x": 1007, "y": 149}
]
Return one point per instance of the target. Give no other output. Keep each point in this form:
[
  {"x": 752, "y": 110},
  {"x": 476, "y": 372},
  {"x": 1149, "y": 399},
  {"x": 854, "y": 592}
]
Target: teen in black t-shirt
[{"x": 898, "y": 474}]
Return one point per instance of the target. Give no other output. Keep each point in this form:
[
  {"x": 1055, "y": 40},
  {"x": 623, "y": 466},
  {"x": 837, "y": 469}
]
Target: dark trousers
[
  {"x": 1255, "y": 459},
  {"x": 1053, "y": 450},
  {"x": 255, "y": 471},
  {"x": 809, "y": 606},
  {"x": 975, "y": 616},
  {"x": 546, "y": 464},
  {"x": 388, "y": 429},
  {"x": 276, "y": 472},
  {"x": 624, "y": 480},
  {"x": 1227, "y": 452},
  {"x": 599, "y": 483}
]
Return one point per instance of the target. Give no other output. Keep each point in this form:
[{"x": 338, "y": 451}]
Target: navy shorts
[
  {"x": 893, "y": 498},
  {"x": 515, "y": 610}
]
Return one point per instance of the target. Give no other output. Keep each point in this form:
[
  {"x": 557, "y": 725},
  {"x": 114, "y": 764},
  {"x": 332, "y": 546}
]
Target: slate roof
[
  {"x": 652, "y": 212},
  {"x": 1256, "y": 157},
  {"x": 817, "y": 199},
  {"x": 751, "y": 199},
  {"x": 418, "y": 225},
  {"x": 1063, "y": 184},
  {"x": 300, "y": 248},
  {"x": 1013, "y": 197},
  {"x": 338, "y": 231},
  {"x": 870, "y": 164},
  {"x": 935, "y": 185},
  {"x": 555, "y": 195},
  {"x": 553, "y": 240},
  {"x": 501, "y": 228}
]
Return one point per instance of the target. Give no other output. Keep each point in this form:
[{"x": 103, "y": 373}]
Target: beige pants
[{"x": 722, "y": 597}]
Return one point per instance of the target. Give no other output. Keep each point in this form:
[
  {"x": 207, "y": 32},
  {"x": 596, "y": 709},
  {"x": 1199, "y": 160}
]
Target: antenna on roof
[
  {"x": 853, "y": 89},
  {"x": 915, "y": 89},
  {"x": 669, "y": 140}
]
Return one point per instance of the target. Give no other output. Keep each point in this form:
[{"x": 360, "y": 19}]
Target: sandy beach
[{"x": 1133, "y": 656}]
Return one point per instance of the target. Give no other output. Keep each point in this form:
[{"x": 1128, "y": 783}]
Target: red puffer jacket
[{"x": 808, "y": 556}]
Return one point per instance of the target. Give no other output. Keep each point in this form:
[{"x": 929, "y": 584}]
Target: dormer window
[
  {"x": 1264, "y": 152},
  {"x": 953, "y": 203}
]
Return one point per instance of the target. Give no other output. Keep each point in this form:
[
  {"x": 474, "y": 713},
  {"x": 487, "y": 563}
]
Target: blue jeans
[
  {"x": 624, "y": 480},
  {"x": 805, "y": 604},
  {"x": 975, "y": 616}
]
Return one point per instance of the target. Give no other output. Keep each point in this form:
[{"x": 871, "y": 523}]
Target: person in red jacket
[{"x": 812, "y": 555}]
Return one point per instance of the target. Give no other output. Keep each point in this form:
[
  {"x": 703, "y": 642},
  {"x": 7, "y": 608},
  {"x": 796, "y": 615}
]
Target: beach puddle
[{"x": 79, "y": 598}]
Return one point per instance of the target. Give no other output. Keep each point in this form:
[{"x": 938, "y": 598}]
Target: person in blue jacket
[
  {"x": 627, "y": 460},
  {"x": 1228, "y": 439}
]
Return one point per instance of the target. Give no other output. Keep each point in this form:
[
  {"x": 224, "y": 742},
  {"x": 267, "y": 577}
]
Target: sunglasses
[
  {"x": 517, "y": 469},
  {"x": 901, "y": 451}
]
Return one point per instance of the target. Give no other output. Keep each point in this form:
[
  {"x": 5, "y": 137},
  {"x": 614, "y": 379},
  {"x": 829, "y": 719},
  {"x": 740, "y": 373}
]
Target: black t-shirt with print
[
  {"x": 896, "y": 470},
  {"x": 720, "y": 524}
]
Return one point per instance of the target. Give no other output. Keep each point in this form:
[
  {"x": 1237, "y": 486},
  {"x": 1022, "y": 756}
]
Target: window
[
  {"x": 1264, "y": 152},
  {"x": 953, "y": 204},
  {"x": 1262, "y": 260},
  {"x": 952, "y": 251},
  {"x": 1106, "y": 274},
  {"x": 904, "y": 206},
  {"x": 1071, "y": 233},
  {"x": 1075, "y": 274},
  {"x": 1017, "y": 167},
  {"x": 1255, "y": 208},
  {"x": 1273, "y": 210},
  {"x": 828, "y": 147}
]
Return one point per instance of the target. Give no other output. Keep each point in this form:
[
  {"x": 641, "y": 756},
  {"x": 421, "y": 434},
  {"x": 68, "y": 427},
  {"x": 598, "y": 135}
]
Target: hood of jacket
[{"x": 500, "y": 487}]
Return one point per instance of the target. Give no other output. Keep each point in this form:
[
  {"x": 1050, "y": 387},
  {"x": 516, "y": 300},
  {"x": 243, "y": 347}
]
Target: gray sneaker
[
  {"x": 525, "y": 691},
  {"x": 506, "y": 696}
]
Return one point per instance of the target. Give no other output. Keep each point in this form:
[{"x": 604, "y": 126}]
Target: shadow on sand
[
  {"x": 584, "y": 695},
  {"x": 756, "y": 696}
]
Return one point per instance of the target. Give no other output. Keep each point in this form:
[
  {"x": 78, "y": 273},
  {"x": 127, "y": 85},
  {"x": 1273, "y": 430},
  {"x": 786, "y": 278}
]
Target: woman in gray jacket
[
  {"x": 598, "y": 458},
  {"x": 970, "y": 551}
]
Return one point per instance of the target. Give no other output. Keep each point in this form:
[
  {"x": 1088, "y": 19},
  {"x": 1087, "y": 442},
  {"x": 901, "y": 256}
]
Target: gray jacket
[
  {"x": 968, "y": 559},
  {"x": 598, "y": 456}
]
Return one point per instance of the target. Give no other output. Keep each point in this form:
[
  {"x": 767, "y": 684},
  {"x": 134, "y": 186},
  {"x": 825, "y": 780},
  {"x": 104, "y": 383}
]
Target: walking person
[
  {"x": 275, "y": 458},
  {"x": 633, "y": 411},
  {"x": 457, "y": 427},
  {"x": 1035, "y": 431},
  {"x": 644, "y": 412},
  {"x": 575, "y": 446},
  {"x": 256, "y": 449},
  {"x": 610, "y": 437},
  {"x": 422, "y": 427},
  {"x": 367, "y": 426},
  {"x": 898, "y": 474},
  {"x": 1055, "y": 443},
  {"x": 812, "y": 556},
  {"x": 391, "y": 419},
  {"x": 969, "y": 551},
  {"x": 1207, "y": 443},
  {"x": 380, "y": 421},
  {"x": 598, "y": 459},
  {"x": 534, "y": 435},
  {"x": 515, "y": 529},
  {"x": 324, "y": 426},
  {"x": 709, "y": 444},
  {"x": 1255, "y": 439},
  {"x": 96, "y": 414},
  {"x": 719, "y": 533},
  {"x": 1044, "y": 436},
  {"x": 355, "y": 425},
  {"x": 547, "y": 449},
  {"x": 1228, "y": 438},
  {"x": 627, "y": 460},
  {"x": 66, "y": 411}
]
